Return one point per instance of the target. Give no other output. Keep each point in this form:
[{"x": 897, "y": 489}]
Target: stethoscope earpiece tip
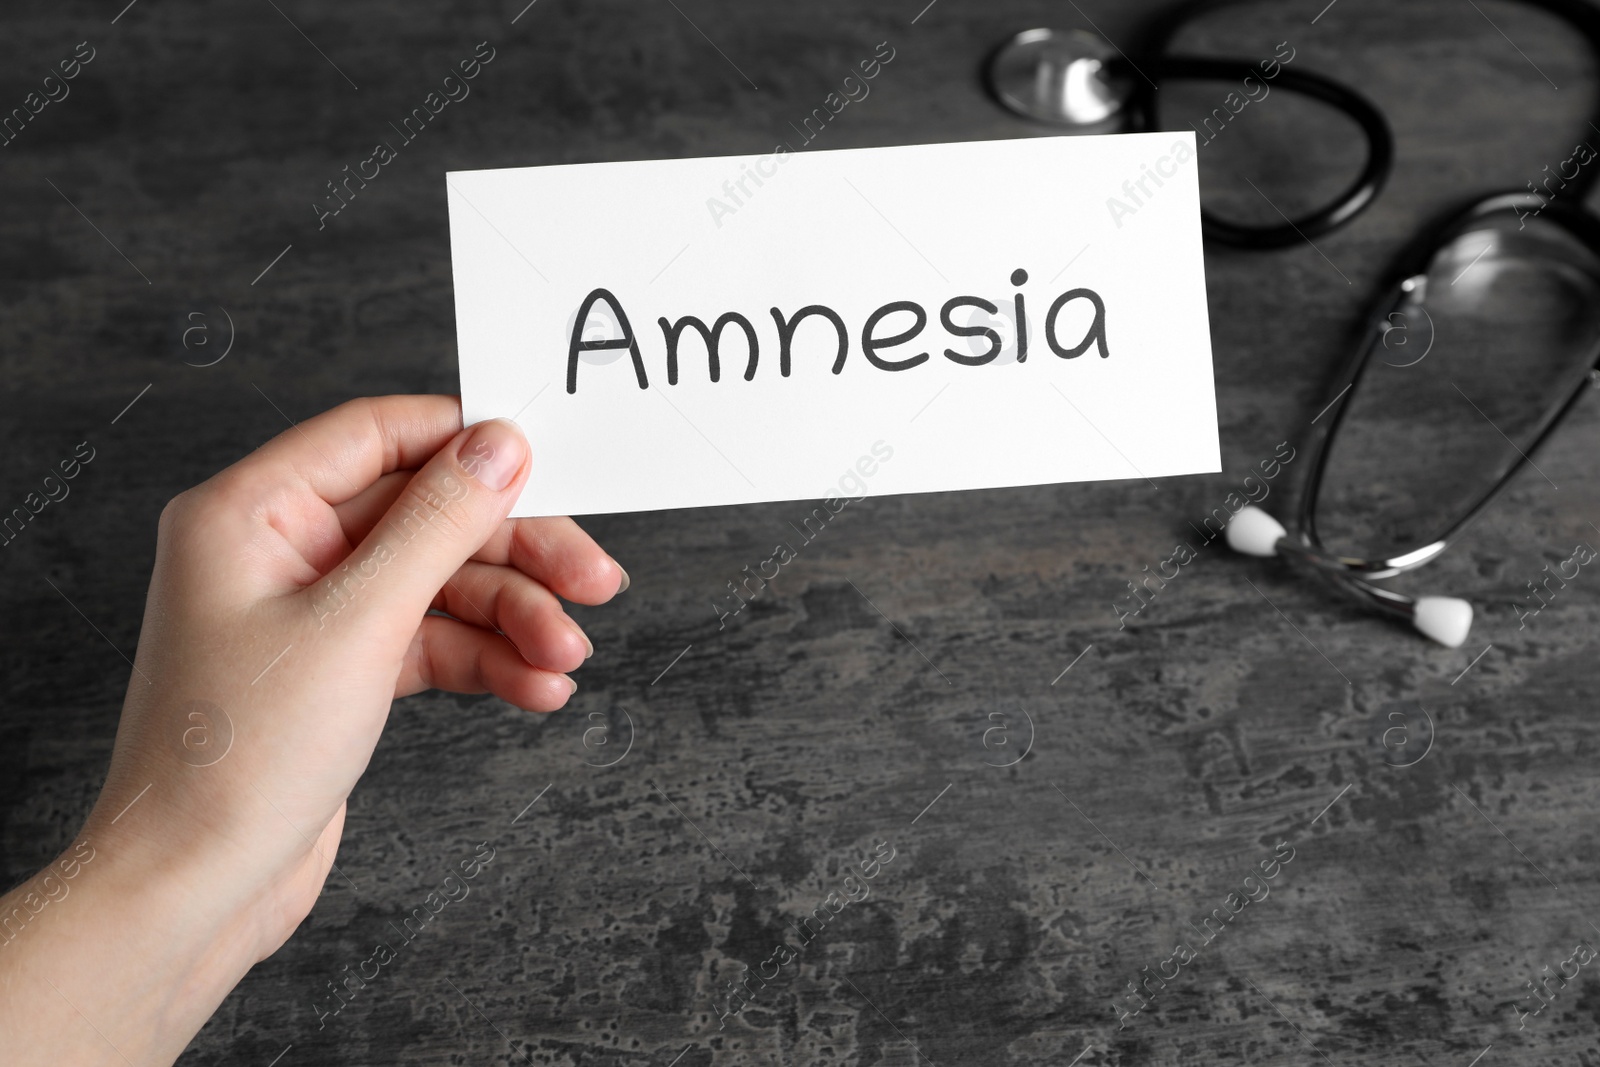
[
  {"x": 1255, "y": 533},
  {"x": 1445, "y": 619}
]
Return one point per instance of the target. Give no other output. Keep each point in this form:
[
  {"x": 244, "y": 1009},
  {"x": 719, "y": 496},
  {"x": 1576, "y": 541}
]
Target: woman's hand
[{"x": 288, "y": 608}]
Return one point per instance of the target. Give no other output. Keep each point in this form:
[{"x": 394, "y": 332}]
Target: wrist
[
  {"x": 201, "y": 881},
  {"x": 124, "y": 937},
  {"x": 207, "y": 837},
  {"x": 185, "y": 926}
]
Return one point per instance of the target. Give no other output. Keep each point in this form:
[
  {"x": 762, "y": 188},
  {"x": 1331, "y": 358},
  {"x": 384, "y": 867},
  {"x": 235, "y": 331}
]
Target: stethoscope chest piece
[{"x": 1063, "y": 77}]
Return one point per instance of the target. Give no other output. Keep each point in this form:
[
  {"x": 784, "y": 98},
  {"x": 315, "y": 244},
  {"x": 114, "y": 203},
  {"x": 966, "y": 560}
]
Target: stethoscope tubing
[
  {"x": 1152, "y": 58},
  {"x": 1347, "y": 205},
  {"x": 1413, "y": 262},
  {"x": 1151, "y": 61},
  {"x": 1142, "y": 68}
]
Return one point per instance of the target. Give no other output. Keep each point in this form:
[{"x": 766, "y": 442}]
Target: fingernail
[
  {"x": 583, "y": 637},
  {"x": 574, "y": 686},
  {"x": 626, "y": 581},
  {"x": 494, "y": 453}
]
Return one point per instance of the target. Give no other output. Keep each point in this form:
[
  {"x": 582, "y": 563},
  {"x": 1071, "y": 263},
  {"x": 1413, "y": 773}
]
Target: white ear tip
[
  {"x": 1446, "y": 619},
  {"x": 1254, "y": 532}
]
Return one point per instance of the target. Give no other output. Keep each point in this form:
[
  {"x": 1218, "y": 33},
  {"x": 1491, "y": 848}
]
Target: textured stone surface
[{"x": 774, "y": 754}]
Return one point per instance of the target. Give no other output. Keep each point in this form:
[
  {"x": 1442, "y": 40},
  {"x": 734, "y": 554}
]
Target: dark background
[{"x": 1404, "y": 929}]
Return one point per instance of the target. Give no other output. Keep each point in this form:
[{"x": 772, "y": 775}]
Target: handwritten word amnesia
[
  {"x": 855, "y": 90},
  {"x": 1256, "y": 889},
  {"x": 55, "y": 90},
  {"x": 872, "y": 342},
  {"x": 410, "y": 128}
]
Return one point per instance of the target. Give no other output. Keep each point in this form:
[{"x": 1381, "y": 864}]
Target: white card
[{"x": 1115, "y": 384}]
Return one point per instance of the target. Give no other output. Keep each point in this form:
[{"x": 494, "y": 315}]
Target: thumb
[{"x": 445, "y": 514}]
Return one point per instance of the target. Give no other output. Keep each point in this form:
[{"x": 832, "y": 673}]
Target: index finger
[
  {"x": 341, "y": 452},
  {"x": 558, "y": 553}
]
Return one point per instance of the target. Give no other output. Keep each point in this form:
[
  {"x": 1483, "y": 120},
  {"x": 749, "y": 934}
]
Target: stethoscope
[{"x": 1080, "y": 82}]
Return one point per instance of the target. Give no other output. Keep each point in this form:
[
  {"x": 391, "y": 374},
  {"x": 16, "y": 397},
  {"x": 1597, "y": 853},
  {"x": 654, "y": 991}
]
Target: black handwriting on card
[{"x": 874, "y": 338}]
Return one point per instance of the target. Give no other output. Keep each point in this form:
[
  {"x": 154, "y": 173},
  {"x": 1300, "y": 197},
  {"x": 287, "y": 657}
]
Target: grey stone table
[{"x": 866, "y": 703}]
